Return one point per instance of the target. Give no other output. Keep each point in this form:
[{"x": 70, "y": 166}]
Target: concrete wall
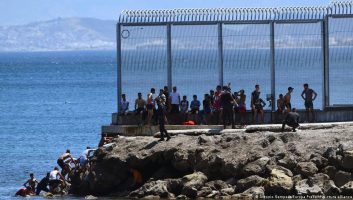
[{"x": 328, "y": 115}]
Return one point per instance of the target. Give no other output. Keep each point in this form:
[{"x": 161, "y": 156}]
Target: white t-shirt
[
  {"x": 175, "y": 97},
  {"x": 53, "y": 175}
]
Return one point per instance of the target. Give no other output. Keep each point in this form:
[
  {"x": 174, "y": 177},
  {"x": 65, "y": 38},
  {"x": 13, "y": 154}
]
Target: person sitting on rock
[
  {"x": 31, "y": 182},
  {"x": 23, "y": 192},
  {"x": 292, "y": 120}
]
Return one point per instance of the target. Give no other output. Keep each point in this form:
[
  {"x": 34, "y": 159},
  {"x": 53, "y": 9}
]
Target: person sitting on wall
[
  {"x": 195, "y": 108},
  {"x": 292, "y": 120},
  {"x": 257, "y": 104},
  {"x": 184, "y": 107},
  {"x": 140, "y": 106},
  {"x": 124, "y": 105}
]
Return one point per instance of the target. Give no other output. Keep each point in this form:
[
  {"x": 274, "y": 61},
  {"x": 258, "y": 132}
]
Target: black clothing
[
  {"x": 226, "y": 100},
  {"x": 228, "y": 112},
  {"x": 161, "y": 112},
  {"x": 42, "y": 185},
  {"x": 61, "y": 163},
  {"x": 292, "y": 120}
]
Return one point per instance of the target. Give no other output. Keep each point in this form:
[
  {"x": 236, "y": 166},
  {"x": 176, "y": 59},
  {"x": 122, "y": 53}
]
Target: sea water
[
  {"x": 50, "y": 102},
  {"x": 53, "y": 101}
]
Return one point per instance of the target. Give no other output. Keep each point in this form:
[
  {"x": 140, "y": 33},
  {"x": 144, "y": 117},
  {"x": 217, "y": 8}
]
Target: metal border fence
[{"x": 222, "y": 16}]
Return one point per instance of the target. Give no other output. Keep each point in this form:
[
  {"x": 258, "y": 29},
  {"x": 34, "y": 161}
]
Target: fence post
[
  {"x": 325, "y": 47},
  {"x": 273, "y": 66},
  {"x": 119, "y": 62},
  {"x": 220, "y": 53},
  {"x": 169, "y": 56}
]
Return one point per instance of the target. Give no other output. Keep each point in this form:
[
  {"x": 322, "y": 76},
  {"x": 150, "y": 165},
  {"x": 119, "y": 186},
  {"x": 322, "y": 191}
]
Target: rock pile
[{"x": 230, "y": 165}]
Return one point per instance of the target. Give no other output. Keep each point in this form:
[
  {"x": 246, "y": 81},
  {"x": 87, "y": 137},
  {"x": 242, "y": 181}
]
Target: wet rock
[
  {"x": 257, "y": 167},
  {"x": 341, "y": 178},
  {"x": 227, "y": 191},
  {"x": 307, "y": 187},
  {"x": 251, "y": 181},
  {"x": 155, "y": 188},
  {"x": 204, "y": 191},
  {"x": 279, "y": 183},
  {"x": 307, "y": 169}
]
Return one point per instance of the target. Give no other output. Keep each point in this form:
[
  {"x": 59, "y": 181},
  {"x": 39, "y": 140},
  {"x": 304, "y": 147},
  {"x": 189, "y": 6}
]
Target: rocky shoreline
[{"x": 312, "y": 162}]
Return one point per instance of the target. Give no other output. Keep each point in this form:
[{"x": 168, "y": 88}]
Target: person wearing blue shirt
[{"x": 195, "y": 105}]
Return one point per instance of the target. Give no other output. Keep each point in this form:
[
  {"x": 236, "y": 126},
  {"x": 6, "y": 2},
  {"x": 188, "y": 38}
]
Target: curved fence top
[{"x": 236, "y": 14}]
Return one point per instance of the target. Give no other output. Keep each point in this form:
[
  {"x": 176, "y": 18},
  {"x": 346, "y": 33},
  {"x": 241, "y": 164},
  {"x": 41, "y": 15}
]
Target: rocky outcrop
[{"x": 228, "y": 165}]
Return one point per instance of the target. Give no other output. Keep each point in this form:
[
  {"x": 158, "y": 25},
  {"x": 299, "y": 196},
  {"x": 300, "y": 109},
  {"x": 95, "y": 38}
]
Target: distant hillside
[{"x": 59, "y": 34}]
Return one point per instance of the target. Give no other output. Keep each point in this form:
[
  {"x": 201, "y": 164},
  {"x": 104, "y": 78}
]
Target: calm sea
[{"x": 50, "y": 102}]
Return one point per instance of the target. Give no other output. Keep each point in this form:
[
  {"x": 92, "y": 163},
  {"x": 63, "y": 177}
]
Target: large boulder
[
  {"x": 307, "y": 187},
  {"x": 257, "y": 167},
  {"x": 251, "y": 193},
  {"x": 347, "y": 189},
  {"x": 327, "y": 186},
  {"x": 192, "y": 183},
  {"x": 289, "y": 162},
  {"x": 307, "y": 169},
  {"x": 251, "y": 181},
  {"x": 279, "y": 183},
  {"x": 319, "y": 161},
  {"x": 154, "y": 188},
  {"x": 347, "y": 160},
  {"x": 342, "y": 177},
  {"x": 330, "y": 171}
]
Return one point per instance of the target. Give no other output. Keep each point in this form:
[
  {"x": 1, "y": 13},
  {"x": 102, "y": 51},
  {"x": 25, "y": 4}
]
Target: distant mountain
[{"x": 60, "y": 34}]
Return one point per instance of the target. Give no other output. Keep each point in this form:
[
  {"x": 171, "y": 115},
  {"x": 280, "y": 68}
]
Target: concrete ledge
[
  {"x": 331, "y": 114},
  {"x": 133, "y": 130}
]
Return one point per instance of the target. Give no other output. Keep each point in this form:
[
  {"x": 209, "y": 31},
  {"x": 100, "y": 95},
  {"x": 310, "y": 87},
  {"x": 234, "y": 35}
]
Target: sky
[{"x": 17, "y": 12}]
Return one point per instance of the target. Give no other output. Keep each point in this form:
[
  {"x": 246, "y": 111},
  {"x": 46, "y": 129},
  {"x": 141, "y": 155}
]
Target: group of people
[
  {"x": 219, "y": 104},
  {"x": 56, "y": 181}
]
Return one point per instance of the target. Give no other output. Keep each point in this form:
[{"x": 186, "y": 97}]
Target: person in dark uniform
[
  {"x": 42, "y": 185},
  {"x": 292, "y": 120},
  {"x": 227, "y": 103},
  {"x": 161, "y": 114}
]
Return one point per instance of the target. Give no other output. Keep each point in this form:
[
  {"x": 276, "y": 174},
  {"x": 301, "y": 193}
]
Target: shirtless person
[
  {"x": 257, "y": 104},
  {"x": 31, "y": 182},
  {"x": 140, "y": 105},
  {"x": 150, "y": 105},
  {"x": 309, "y": 95},
  {"x": 287, "y": 99},
  {"x": 61, "y": 162},
  {"x": 281, "y": 107}
]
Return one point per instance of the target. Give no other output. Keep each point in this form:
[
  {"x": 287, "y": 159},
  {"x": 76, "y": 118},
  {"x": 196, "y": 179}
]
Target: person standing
[
  {"x": 227, "y": 102},
  {"x": 184, "y": 107},
  {"x": 174, "y": 101},
  {"x": 217, "y": 104},
  {"x": 257, "y": 104},
  {"x": 242, "y": 106},
  {"x": 309, "y": 95},
  {"x": 281, "y": 107},
  {"x": 292, "y": 120},
  {"x": 161, "y": 113},
  {"x": 150, "y": 105},
  {"x": 287, "y": 99},
  {"x": 124, "y": 105}
]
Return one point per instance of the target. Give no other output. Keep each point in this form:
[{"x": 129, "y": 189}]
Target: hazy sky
[{"x": 13, "y": 12}]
